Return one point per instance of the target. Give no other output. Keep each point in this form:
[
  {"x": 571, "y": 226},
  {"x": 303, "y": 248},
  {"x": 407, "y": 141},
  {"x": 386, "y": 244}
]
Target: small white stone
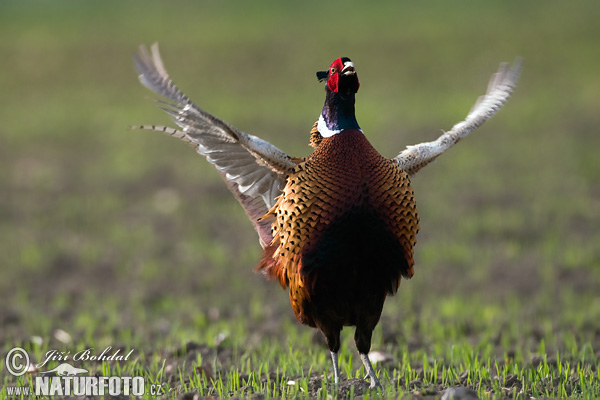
[
  {"x": 62, "y": 336},
  {"x": 379, "y": 356}
]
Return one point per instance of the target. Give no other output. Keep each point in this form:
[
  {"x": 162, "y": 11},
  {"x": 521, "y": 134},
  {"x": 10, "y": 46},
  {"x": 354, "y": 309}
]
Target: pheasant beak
[{"x": 348, "y": 68}]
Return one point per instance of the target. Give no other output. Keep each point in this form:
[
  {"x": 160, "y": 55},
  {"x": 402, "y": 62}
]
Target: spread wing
[
  {"x": 254, "y": 170},
  {"x": 499, "y": 90}
]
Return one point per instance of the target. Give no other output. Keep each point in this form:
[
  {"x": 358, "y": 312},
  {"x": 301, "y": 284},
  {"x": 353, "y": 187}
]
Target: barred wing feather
[
  {"x": 254, "y": 169},
  {"x": 501, "y": 86}
]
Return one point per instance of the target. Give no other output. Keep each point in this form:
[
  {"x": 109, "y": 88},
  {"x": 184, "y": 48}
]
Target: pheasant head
[
  {"x": 342, "y": 85},
  {"x": 341, "y": 77}
]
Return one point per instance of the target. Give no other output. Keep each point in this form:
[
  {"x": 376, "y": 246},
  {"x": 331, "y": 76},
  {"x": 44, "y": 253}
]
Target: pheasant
[{"x": 338, "y": 227}]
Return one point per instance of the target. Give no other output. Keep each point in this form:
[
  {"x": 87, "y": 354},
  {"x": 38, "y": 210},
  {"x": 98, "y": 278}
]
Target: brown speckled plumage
[
  {"x": 315, "y": 136},
  {"x": 339, "y": 227},
  {"x": 344, "y": 185}
]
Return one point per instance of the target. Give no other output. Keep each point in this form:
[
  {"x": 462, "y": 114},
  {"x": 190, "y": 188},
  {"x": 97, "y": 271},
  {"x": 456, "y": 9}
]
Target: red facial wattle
[
  {"x": 333, "y": 81},
  {"x": 334, "y": 77},
  {"x": 337, "y": 68}
]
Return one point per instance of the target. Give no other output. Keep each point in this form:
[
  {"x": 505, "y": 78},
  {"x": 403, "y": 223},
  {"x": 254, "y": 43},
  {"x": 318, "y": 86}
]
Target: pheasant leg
[
  {"x": 370, "y": 371},
  {"x": 336, "y": 370}
]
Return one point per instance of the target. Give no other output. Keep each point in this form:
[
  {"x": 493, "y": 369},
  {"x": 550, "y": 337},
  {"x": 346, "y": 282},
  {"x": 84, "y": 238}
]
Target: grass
[{"x": 128, "y": 239}]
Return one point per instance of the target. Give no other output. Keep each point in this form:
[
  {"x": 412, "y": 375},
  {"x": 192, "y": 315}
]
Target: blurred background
[{"x": 113, "y": 235}]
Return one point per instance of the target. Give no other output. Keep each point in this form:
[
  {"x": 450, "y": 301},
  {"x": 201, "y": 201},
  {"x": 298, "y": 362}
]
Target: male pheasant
[{"x": 338, "y": 227}]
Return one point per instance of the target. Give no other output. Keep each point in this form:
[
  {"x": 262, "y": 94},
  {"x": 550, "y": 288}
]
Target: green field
[{"x": 129, "y": 239}]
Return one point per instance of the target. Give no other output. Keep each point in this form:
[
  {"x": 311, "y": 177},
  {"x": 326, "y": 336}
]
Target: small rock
[
  {"x": 460, "y": 393},
  {"x": 379, "y": 356},
  {"x": 220, "y": 338},
  {"x": 62, "y": 336},
  {"x": 37, "y": 340}
]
